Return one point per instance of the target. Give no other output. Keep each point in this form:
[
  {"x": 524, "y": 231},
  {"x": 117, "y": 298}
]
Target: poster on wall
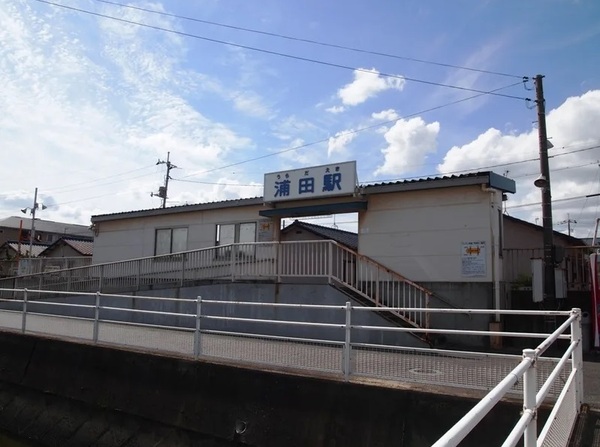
[
  {"x": 473, "y": 259},
  {"x": 265, "y": 231}
]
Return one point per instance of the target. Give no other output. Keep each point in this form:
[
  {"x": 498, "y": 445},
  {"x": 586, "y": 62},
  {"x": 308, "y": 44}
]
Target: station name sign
[{"x": 310, "y": 183}]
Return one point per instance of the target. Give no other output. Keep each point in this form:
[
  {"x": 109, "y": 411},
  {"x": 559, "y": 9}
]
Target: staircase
[{"x": 358, "y": 276}]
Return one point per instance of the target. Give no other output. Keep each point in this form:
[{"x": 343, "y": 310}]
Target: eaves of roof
[
  {"x": 178, "y": 209},
  {"x": 487, "y": 178}
]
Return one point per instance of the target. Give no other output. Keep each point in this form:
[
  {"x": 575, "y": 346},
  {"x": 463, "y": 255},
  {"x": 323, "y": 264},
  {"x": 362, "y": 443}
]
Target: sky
[{"x": 91, "y": 101}]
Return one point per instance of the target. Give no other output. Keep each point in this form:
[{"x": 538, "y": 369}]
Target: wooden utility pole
[{"x": 544, "y": 184}]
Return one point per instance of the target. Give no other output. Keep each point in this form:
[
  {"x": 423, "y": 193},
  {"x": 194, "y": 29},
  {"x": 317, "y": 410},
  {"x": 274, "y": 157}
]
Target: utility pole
[
  {"x": 162, "y": 190},
  {"x": 544, "y": 183},
  {"x": 569, "y": 221}
]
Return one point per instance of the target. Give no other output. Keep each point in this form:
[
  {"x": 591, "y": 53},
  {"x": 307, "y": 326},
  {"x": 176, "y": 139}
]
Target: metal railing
[
  {"x": 574, "y": 261},
  {"x": 333, "y": 340},
  {"x": 359, "y": 275}
]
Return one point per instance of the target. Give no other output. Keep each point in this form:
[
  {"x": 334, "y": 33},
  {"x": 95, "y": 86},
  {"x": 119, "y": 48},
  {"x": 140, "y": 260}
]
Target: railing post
[
  {"x": 101, "y": 278},
  {"x": 377, "y": 286},
  {"x": 347, "y": 341},
  {"x": 24, "y": 321},
  {"x": 529, "y": 398},
  {"x": 197, "y": 340},
  {"x": 96, "y": 317},
  {"x": 278, "y": 261},
  {"x": 329, "y": 261},
  {"x": 577, "y": 357},
  {"x": 233, "y": 256},
  {"x": 183, "y": 255},
  {"x": 139, "y": 274}
]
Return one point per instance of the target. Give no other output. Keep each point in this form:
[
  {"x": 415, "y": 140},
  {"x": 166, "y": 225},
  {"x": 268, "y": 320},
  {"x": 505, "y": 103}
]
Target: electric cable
[
  {"x": 310, "y": 41},
  {"x": 286, "y": 55},
  {"x": 324, "y": 140}
]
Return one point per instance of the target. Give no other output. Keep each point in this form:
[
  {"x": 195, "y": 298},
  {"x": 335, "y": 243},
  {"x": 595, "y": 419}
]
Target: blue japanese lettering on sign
[
  {"x": 282, "y": 188},
  {"x": 331, "y": 181},
  {"x": 307, "y": 184}
]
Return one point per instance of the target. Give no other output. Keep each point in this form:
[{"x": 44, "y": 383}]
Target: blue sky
[{"x": 88, "y": 104}]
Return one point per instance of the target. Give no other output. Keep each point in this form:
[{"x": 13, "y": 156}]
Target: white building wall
[
  {"x": 135, "y": 238},
  {"x": 420, "y": 234}
]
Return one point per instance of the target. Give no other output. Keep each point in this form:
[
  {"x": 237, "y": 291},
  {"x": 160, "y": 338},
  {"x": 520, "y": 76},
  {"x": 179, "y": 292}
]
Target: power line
[
  {"x": 286, "y": 55},
  {"x": 310, "y": 41},
  {"x": 362, "y": 129},
  {"x": 524, "y": 205},
  {"x": 58, "y": 188},
  {"x": 486, "y": 167},
  {"x": 217, "y": 183}
]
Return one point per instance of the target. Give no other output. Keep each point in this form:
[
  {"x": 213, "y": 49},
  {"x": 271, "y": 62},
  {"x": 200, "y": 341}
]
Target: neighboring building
[
  {"x": 524, "y": 241},
  {"x": 46, "y": 231},
  {"x": 67, "y": 247},
  {"x": 11, "y": 252},
  {"x": 304, "y": 231}
]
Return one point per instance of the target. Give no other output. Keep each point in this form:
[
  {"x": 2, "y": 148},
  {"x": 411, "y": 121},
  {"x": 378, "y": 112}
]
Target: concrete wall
[
  {"x": 257, "y": 292},
  {"x": 202, "y": 403},
  {"x": 420, "y": 234},
  {"x": 135, "y": 238}
]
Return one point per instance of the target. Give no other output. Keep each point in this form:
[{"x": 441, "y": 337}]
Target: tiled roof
[
  {"x": 346, "y": 238},
  {"x": 36, "y": 248},
  {"x": 85, "y": 247}
]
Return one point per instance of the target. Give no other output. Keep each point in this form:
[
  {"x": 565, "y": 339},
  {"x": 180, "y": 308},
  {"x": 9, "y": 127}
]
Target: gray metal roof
[
  {"x": 486, "y": 178},
  {"x": 178, "y": 209},
  {"x": 47, "y": 226},
  {"x": 347, "y": 238}
]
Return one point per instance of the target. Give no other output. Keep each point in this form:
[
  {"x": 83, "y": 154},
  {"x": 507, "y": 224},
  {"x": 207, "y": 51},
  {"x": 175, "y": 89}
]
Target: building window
[
  {"x": 170, "y": 240},
  {"x": 239, "y": 233}
]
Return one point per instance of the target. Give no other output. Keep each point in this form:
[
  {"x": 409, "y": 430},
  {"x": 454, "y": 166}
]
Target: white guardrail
[{"x": 324, "y": 338}]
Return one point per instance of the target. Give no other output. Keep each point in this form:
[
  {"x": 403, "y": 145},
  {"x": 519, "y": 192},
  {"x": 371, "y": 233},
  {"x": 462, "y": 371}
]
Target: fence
[
  {"x": 364, "y": 278},
  {"x": 98, "y": 321},
  {"x": 574, "y": 261}
]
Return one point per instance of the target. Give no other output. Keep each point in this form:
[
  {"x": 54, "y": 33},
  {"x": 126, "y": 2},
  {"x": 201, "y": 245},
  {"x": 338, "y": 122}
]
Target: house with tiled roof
[
  {"x": 69, "y": 247},
  {"x": 299, "y": 230}
]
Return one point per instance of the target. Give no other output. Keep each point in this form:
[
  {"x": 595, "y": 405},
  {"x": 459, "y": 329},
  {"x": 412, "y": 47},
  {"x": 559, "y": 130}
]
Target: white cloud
[
  {"x": 337, "y": 144},
  {"x": 335, "y": 109},
  {"x": 409, "y": 142},
  {"x": 385, "y": 115},
  {"x": 83, "y": 98},
  {"x": 574, "y": 169},
  {"x": 367, "y": 84}
]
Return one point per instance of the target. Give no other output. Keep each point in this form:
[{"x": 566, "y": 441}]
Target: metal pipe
[
  {"x": 577, "y": 359},
  {"x": 464, "y": 426},
  {"x": 347, "y": 341},
  {"x": 529, "y": 397}
]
